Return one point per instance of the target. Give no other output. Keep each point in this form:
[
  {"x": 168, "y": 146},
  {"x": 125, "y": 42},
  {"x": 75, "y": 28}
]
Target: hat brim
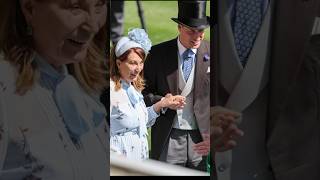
[{"x": 195, "y": 26}]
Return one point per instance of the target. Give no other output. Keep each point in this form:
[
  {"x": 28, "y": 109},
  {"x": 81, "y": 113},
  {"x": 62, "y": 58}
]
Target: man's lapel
[
  {"x": 171, "y": 66},
  {"x": 201, "y": 68},
  {"x": 254, "y": 76},
  {"x": 229, "y": 66}
]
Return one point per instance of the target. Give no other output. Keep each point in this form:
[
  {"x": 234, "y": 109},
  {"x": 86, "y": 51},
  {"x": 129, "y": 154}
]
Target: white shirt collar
[{"x": 181, "y": 48}]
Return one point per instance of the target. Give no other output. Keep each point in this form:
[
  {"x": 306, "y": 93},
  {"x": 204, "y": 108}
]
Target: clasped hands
[
  {"x": 170, "y": 101},
  {"x": 173, "y": 102}
]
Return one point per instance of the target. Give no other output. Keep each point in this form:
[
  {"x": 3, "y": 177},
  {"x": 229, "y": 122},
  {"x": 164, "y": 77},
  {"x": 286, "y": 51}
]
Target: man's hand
[
  {"x": 203, "y": 147},
  {"x": 224, "y": 128}
]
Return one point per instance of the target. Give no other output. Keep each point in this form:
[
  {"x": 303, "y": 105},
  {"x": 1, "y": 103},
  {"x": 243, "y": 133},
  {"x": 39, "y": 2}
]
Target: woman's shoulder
[{"x": 117, "y": 96}]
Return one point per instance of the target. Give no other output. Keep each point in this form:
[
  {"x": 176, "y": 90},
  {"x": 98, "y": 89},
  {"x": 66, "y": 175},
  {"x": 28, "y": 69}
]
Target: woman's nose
[{"x": 137, "y": 69}]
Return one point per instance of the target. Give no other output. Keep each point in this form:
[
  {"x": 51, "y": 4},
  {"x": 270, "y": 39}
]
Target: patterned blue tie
[
  {"x": 247, "y": 22},
  {"x": 187, "y": 63}
]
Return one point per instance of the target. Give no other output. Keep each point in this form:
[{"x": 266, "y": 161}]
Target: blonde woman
[
  {"x": 129, "y": 116},
  {"x": 52, "y": 71}
]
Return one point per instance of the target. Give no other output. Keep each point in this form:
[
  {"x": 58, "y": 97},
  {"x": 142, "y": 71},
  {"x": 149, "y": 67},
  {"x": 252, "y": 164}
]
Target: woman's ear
[
  {"x": 118, "y": 63},
  {"x": 27, "y": 10}
]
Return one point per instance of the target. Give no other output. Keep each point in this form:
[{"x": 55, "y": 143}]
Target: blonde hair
[
  {"x": 17, "y": 46},
  {"x": 139, "y": 83}
]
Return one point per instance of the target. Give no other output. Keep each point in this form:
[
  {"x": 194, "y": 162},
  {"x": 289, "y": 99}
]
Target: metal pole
[
  {"x": 140, "y": 11},
  {"x": 120, "y": 165}
]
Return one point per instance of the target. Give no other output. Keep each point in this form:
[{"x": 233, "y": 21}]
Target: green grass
[{"x": 157, "y": 15}]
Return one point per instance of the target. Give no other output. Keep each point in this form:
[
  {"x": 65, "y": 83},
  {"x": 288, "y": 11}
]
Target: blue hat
[{"x": 136, "y": 38}]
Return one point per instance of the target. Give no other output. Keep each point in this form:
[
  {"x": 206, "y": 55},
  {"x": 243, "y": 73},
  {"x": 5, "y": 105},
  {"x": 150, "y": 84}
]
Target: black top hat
[{"x": 192, "y": 14}]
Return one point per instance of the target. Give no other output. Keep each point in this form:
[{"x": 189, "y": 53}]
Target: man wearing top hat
[{"x": 181, "y": 66}]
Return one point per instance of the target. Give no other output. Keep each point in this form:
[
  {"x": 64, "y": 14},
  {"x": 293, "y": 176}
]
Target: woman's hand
[
  {"x": 170, "y": 101},
  {"x": 173, "y": 102}
]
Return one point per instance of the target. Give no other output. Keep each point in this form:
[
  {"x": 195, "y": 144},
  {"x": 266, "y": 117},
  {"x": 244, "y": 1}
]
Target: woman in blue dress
[
  {"x": 129, "y": 116},
  {"x": 52, "y": 71}
]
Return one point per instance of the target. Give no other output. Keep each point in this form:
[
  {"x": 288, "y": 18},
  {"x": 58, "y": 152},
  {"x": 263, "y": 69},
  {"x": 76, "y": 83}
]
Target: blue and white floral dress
[
  {"x": 129, "y": 119},
  {"x": 40, "y": 136}
]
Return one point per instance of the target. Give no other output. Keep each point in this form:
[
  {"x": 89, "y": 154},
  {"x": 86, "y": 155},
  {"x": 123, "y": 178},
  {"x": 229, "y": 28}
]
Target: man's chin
[{"x": 196, "y": 45}]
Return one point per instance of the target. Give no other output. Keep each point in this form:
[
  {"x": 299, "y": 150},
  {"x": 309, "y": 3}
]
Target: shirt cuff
[
  {"x": 152, "y": 113},
  {"x": 163, "y": 110}
]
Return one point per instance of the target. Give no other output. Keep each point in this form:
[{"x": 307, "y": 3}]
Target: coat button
[{"x": 222, "y": 168}]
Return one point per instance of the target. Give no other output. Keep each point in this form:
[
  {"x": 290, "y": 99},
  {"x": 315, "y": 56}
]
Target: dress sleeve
[{"x": 152, "y": 116}]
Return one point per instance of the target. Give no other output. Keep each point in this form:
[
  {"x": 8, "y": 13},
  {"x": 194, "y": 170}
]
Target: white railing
[{"x": 124, "y": 167}]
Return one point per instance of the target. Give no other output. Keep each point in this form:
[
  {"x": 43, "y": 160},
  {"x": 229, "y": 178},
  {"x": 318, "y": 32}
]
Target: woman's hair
[
  {"x": 16, "y": 44},
  {"x": 114, "y": 70}
]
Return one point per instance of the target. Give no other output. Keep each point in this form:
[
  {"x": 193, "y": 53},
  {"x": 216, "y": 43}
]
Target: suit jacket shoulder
[
  {"x": 160, "y": 52},
  {"x": 206, "y": 45},
  {"x": 164, "y": 45},
  {"x": 159, "y": 62}
]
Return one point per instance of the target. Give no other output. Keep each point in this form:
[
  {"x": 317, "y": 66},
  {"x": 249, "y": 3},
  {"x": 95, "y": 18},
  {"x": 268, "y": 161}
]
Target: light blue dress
[
  {"x": 43, "y": 136},
  {"x": 129, "y": 119}
]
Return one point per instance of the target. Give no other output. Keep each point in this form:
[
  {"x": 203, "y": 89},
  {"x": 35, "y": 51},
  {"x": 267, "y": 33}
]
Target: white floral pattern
[
  {"x": 128, "y": 125},
  {"x": 37, "y": 144}
]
